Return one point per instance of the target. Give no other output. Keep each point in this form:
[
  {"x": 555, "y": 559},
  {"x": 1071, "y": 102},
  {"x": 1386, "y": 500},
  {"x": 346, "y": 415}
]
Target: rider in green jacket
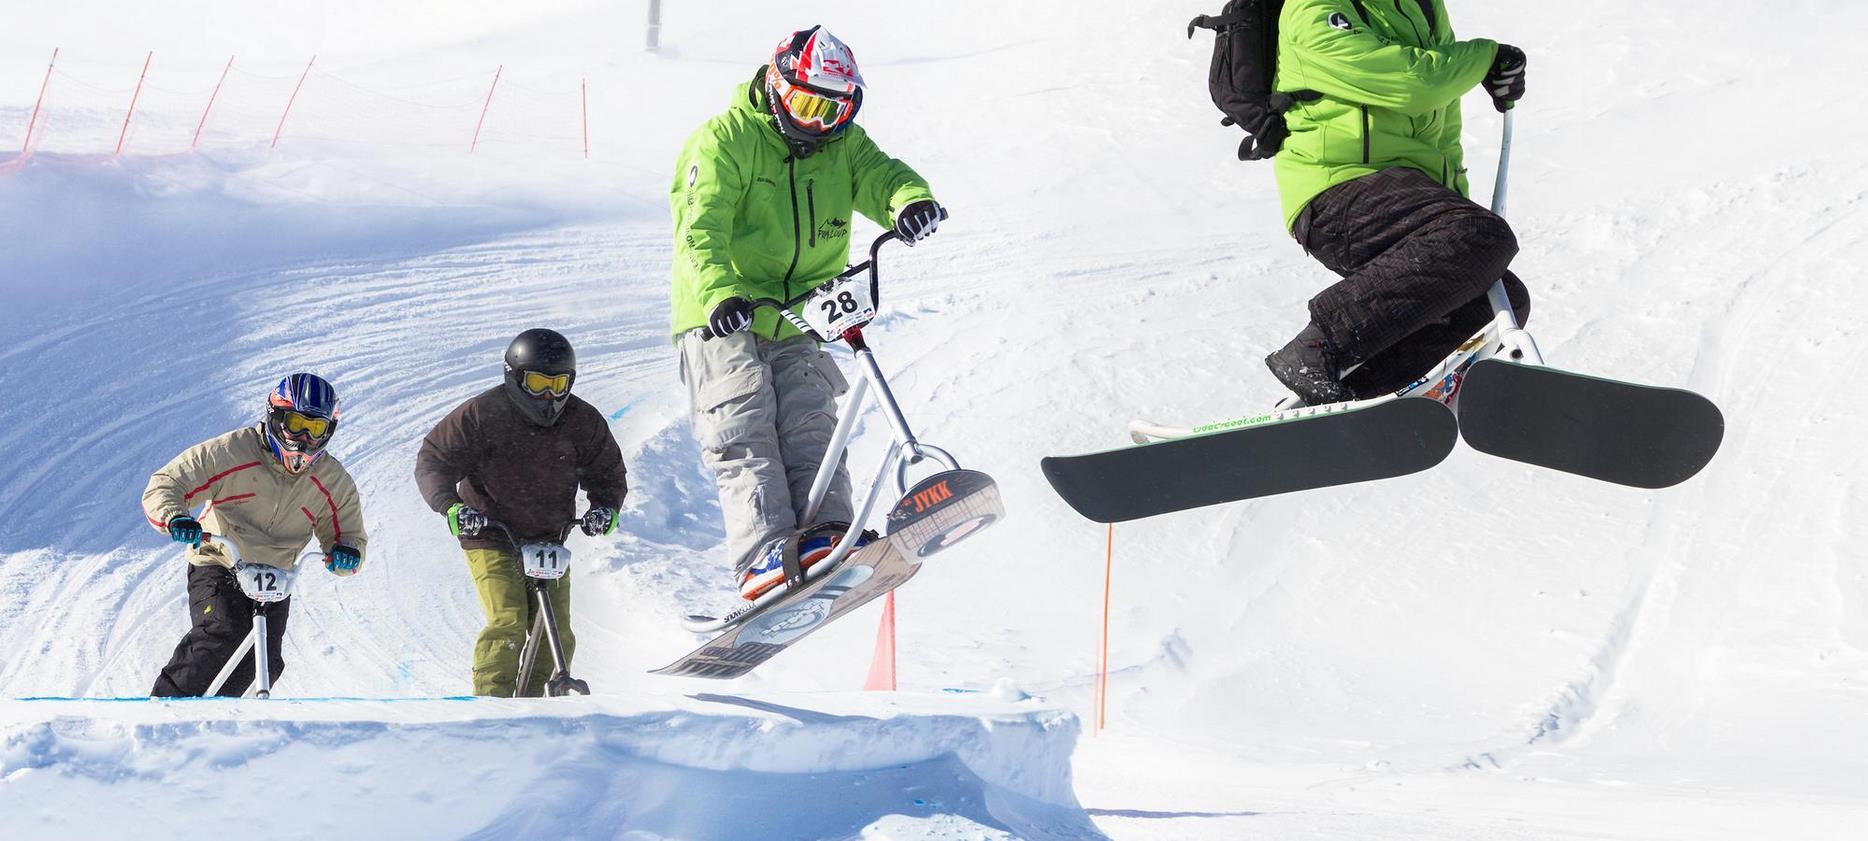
[
  {"x": 1373, "y": 183},
  {"x": 763, "y": 197}
]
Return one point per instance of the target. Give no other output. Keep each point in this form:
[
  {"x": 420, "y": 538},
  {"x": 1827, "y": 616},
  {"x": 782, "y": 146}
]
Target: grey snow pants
[
  {"x": 1416, "y": 260},
  {"x": 763, "y": 412}
]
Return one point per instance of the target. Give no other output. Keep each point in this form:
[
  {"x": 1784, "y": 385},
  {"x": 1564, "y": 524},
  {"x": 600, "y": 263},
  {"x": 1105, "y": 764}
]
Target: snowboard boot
[
  {"x": 1308, "y": 366},
  {"x": 814, "y": 544}
]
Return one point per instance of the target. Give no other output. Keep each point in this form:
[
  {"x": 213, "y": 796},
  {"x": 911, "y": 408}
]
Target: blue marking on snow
[{"x": 618, "y": 414}]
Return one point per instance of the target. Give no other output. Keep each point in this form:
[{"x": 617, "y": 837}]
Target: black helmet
[{"x": 540, "y": 367}]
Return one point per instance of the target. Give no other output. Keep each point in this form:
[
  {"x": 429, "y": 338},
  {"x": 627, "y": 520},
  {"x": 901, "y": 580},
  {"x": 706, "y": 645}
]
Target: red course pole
[
  {"x": 34, "y": 119},
  {"x": 583, "y": 96},
  {"x": 489, "y": 102},
  {"x": 133, "y": 97},
  {"x": 211, "y": 97},
  {"x": 288, "y": 103}
]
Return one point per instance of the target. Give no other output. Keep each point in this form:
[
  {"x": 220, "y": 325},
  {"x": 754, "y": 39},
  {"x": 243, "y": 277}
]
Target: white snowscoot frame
[
  {"x": 1502, "y": 337},
  {"x": 837, "y": 311},
  {"x": 544, "y": 561},
  {"x": 265, "y": 584}
]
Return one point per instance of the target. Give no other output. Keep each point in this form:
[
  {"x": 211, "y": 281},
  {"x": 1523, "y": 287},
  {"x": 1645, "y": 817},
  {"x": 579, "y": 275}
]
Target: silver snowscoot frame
[
  {"x": 905, "y": 449},
  {"x": 265, "y": 585},
  {"x": 1502, "y": 337},
  {"x": 543, "y": 561}
]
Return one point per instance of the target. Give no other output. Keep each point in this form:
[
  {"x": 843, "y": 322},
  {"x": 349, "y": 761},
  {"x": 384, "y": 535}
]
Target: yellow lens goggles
[
  {"x": 819, "y": 112},
  {"x": 555, "y": 385},
  {"x": 296, "y": 423}
]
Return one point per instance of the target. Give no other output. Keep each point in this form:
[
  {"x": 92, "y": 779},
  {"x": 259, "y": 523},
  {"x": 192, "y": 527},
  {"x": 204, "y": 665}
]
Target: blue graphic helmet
[{"x": 301, "y": 416}]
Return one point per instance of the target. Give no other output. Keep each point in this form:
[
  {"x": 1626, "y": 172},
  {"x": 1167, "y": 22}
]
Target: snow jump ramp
[{"x": 604, "y": 767}]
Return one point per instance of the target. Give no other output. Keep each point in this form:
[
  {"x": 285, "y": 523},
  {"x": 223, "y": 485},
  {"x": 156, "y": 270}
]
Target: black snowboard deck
[
  {"x": 1381, "y": 441},
  {"x": 1636, "y": 435}
]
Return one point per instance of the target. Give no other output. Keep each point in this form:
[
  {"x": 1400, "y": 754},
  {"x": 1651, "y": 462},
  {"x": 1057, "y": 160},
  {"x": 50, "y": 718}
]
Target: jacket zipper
[
  {"x": 810, "y": 201},
  {"x": 797, "y": 244},
  {"x": 1365, "y": 134}
]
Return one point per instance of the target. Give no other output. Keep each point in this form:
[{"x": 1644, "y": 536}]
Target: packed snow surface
[{"x": 1483, "y": 651}]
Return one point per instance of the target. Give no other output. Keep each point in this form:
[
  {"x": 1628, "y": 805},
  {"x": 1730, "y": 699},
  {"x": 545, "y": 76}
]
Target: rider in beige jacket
[{"x": 263, "y": 493}]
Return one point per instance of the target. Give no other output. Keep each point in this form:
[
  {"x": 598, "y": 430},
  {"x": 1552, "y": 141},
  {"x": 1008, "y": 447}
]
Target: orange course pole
[
  {"x": 32, "y": 121},
  {"x": 211, "y": 97},
  {"x": 489, "y": 103},
  {"x": 288, "y": 103},
  {"x": 134, "y": 95}
]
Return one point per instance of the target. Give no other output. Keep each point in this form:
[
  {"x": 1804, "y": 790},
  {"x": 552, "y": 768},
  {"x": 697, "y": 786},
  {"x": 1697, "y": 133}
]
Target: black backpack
[{"x": 1245, "y": 64}]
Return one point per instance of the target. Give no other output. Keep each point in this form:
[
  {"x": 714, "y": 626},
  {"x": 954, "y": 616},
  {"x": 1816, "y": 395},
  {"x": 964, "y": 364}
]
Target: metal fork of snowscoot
[
  {"x": 1518, "y": 344},
  {"x": 544, "y": 625},
  {"x": 262, "y": 664}
]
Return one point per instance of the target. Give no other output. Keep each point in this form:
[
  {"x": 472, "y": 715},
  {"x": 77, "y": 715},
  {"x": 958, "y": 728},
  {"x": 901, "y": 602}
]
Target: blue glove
[
  {"x": 185, "y": 529},
  {"x": 599, "y": 520},
  {"x": 918, "y": 221},
  {"x": 343, "y": 560}
]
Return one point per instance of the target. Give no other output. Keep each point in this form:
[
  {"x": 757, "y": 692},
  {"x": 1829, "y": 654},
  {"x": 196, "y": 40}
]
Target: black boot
[{"x": 1308, "y": 366}]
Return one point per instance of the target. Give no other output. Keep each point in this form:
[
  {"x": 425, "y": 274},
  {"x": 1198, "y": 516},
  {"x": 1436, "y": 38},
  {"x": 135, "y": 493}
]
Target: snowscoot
[
  {"x": 266, "y": 585},
  {"x": 928, "y": 517},
  {"x": 1494, "y": 391},
  {"x": 544, "y": 561}
]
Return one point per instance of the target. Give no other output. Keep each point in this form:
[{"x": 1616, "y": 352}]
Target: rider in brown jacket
[
  {"x": 516, "y": 454},
  {"x": 264, "y": 492}
]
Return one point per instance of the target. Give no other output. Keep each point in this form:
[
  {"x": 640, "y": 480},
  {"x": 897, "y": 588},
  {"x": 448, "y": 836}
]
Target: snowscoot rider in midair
[
  {"x": 762, "y": 198},
  {"x": 517, "y": 453},
  {"x": 1373, "y": 183},
  {"x": 267, "y": 489}
]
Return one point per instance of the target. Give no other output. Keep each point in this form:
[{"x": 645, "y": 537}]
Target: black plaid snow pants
[
  {"x": 221, "y": 615},
  {"x": 1416, "y": 260}
]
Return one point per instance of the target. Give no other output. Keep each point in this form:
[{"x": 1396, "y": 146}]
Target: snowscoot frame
[
  {"x": 545, "y": 619},
  {"x": 905, "y": 450},
  {"x": 263, "y": 598},
  {"x": 1503, "y": 336}
]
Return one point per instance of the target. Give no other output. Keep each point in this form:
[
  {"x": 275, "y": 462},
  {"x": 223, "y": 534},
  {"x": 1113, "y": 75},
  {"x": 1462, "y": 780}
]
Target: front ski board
[
  {"x": 1381, "y": 441},
  {"x": 937, "y": 513},
  {"x": 1628, "y": 434},
  {"x": 867, "y": 573}
]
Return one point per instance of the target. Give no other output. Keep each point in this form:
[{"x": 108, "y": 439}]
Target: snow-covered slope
[{"x": 1485, "y": 650}]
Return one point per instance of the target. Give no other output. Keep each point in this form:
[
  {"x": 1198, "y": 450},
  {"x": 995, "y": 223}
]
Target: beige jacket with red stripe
[{"x": 246, "y": 496}]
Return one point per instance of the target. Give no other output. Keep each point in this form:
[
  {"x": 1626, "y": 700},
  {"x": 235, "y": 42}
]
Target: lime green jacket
[
  {"x": 1391, "y": 84},
  {"x": 753, "y": 221}
]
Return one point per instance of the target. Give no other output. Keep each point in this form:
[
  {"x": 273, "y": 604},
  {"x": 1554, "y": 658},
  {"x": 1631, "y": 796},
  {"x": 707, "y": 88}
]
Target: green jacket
[
  {"x": 751, "y": 220},
  {"x": 1391, "y": 84}
]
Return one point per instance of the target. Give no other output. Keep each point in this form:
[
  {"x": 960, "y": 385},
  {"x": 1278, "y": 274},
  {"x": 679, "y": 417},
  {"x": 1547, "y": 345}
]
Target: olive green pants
[{"x": 506, "y": 598}]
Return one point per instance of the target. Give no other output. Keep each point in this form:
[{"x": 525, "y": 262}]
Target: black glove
[
  {"x": 343, "y": 560},
  {"x": 463, "y": 521},
  {"x": 1505, "y": 81},
  {"x": 730, "y": 316},
  {"x": 918, "y": 221},
  {"x": 185, "y": 529},
  {"x": 599, "y": 520}
]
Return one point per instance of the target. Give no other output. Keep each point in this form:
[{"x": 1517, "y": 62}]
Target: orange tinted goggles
[
  {"x": 816, "y": 111},
  {"x": 556, "y": 385}
]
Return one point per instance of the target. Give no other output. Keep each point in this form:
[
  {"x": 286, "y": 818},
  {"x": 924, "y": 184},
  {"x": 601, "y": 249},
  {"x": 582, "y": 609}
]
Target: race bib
[
  {"x": 264, "y": 584},
  {"x": 545, "y": 560},
  {"x": 838, "y": 306}
]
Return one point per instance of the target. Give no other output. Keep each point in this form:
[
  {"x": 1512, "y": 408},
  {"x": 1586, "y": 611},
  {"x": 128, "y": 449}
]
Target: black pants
[
  {"x": 222, "y": 615},
  {"x": 1416, "y": 260}
]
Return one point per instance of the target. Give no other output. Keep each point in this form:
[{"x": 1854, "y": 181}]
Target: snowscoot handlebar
[
  {"x": 872, "y": 266},
  {"x": 564, "y": 532}
]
